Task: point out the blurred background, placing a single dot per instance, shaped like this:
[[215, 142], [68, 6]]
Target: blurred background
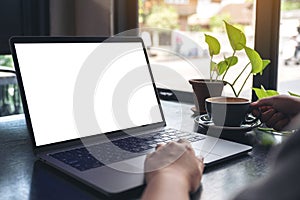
[[172, 29]]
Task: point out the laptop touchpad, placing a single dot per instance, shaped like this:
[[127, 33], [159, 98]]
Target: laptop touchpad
[[137, 163], [126, 167]]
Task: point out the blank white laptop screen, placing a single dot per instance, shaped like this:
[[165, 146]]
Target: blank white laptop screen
[[49, 72]]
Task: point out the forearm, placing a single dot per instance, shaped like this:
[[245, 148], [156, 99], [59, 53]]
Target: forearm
[[167, 186]]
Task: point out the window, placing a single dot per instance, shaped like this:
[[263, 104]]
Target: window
[[174, 35], [177, 1], [289, 47], [10, 101]]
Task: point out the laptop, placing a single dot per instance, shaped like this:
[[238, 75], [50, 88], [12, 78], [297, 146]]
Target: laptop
[[93, 112]]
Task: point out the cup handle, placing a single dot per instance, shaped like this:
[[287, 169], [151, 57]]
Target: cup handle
[[252, 120], [205, 118]]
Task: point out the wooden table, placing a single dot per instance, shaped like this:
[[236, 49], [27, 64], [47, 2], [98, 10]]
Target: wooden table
[[23, 177]]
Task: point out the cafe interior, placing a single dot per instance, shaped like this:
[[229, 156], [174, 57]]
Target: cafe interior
[[174, 33]]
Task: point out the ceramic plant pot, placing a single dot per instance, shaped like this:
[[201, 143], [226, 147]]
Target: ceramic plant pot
[[204, 88]]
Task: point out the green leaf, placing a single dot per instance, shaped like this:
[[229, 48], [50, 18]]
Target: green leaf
[[259, 93], [271, 130], [232, 60], [255, 60], [263, 93], [265, 64], [271, 93], [265, 129], [267, 139], [222, 66], [236, 37], [293, 94], [213, 45]]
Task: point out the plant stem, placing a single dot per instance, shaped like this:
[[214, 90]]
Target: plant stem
[[210, 69], [243, 84], [212, 74], [231, 88], [216, 76], [240, 74], [228, 66]]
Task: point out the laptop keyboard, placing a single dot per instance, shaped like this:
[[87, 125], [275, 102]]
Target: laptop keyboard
[[82, 158]]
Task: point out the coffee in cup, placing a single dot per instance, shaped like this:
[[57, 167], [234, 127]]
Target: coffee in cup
[[229, 111]]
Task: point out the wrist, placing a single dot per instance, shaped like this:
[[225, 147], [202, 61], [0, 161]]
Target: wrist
[[165, 185], [177, 180]]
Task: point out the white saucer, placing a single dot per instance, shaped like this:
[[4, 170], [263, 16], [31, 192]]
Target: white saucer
[[204, 120]]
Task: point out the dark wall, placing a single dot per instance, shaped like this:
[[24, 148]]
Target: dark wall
[[81, 17], [125, 16], [22, 17], [65, 18]]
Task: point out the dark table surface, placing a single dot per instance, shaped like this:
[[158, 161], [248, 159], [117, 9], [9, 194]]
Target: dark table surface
[[23, 177]]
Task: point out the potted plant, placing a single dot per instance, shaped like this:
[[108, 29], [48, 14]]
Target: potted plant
[[219, 70]]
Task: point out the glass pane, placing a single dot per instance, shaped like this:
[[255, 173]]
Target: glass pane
[[289, 47], [10, 101], [174, 32]]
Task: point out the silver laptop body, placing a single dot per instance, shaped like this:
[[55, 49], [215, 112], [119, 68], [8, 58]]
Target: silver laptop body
[[75, 93]]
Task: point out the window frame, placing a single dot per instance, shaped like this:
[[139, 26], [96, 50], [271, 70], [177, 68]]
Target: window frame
[[266, 41], [125, 15]]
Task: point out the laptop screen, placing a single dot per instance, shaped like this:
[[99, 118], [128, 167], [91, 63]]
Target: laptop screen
[[123, 97]]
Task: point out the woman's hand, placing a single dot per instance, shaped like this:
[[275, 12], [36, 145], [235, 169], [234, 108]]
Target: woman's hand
[[277, 111], [172, 171]]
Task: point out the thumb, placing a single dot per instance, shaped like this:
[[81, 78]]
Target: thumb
[[263, 102]]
